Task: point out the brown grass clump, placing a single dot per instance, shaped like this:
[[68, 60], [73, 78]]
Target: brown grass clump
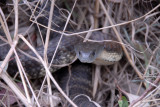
[[135, 23]]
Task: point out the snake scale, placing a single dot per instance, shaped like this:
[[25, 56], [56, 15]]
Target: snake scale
[[101, 53], [79, 90]]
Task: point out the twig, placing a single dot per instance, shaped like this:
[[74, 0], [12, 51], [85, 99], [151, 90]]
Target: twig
[[96, 13], [15, 39], [152, 87], [89, 33], [13, 45], [47, 70], [55, 54], [22, 72], [120, 40], [15, 88], [46, 47], [96, 78], [115, 25]]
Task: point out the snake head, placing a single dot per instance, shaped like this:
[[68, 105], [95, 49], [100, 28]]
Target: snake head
[[87, 52]]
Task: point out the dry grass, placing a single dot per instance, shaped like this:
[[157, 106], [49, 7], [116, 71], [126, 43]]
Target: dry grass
[[135, 23]]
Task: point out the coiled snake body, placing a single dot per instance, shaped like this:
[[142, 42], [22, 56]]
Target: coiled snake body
[[78, 84], [101, 53]]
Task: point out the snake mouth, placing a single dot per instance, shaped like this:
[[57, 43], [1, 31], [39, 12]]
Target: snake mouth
[[86, 60], [85, 57]]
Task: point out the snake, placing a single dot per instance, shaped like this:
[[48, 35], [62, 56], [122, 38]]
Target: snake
[[70, 47], [79, 90], [105, 53]]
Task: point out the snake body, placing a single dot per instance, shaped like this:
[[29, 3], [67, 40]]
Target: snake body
[[78, 84], [70, 47], [34, 68], [89, 52]]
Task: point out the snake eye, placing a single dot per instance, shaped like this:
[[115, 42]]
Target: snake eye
[[93, 53], [79, 53]]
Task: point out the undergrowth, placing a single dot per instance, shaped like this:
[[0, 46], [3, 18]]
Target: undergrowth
[[135, 23]]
